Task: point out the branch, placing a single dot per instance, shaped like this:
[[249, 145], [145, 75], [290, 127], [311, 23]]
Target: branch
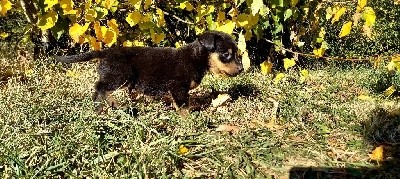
[[315, 56], [177, 18]]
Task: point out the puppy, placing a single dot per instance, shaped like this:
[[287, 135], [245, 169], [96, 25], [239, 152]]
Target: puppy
[[156, 71]]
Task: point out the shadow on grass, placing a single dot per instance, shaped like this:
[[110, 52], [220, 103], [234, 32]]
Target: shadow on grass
[[382, 128], [203, 101]]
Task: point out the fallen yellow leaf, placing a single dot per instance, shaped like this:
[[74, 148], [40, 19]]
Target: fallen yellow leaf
[[278, 78], [266, 67], [390, 90], [377, 154], [288, 63], [183, 150]]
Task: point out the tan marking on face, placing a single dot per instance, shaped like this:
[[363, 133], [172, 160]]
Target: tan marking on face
[[193, 85], [219, 68], [230, 51]]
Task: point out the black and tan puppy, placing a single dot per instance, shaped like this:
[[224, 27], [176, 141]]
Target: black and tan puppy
[[160, 70]]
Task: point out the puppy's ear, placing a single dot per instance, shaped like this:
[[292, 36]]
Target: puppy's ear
[[207, 40]]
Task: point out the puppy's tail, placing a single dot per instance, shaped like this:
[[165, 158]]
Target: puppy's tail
[[80, 57]]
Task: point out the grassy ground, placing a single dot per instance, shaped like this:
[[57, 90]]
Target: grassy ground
[[48, 127]]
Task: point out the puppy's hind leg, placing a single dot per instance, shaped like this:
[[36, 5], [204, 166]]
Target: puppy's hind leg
[[180, 96]]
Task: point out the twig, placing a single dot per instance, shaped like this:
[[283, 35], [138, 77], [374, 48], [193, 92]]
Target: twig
[[177, 18], [315, 56]]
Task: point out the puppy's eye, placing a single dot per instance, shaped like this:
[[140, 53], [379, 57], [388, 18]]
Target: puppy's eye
[[226, 55]]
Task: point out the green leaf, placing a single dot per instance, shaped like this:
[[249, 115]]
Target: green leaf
[[60, 28], [288, 14], [101, 12], [210, 22]]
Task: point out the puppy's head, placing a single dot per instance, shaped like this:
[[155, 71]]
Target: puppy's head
[[222, 48]]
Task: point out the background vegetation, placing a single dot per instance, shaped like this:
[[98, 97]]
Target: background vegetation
[[320, 91]]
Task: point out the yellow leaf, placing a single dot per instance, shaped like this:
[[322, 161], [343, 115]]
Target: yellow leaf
[[390, 90], [100, 31], [369, 16], [136, 3], [186, 5], [183, 150], [242, 20], [377, 154], [227, 27], [67, 6], [88, 5], [255, 6], [364, 98], [346, 28], [221, 16], [50, 4], [48, 20], [278, 78], [110, 38], [3, 35], [160, 20], [338, 14], [227, 128], [146, 17], [319, 52], [94, 44], [288, 63], [77, 30], [248, 35], [198, 30], [266, 67], [178, 44], [253, 20], [329, 13], [114, 26], [133, 18], [145, 25], [393, 66], [91, 15], [158, 38], [147, 4], [71, 74], [246, 61], [205, 10], [220, 100], [5, 6], [127, 43], [137, 43], [361, 4], [304, 75], [108, 3], [293, 3]]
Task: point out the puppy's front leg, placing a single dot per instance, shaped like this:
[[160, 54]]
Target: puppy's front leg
[[180, 96]]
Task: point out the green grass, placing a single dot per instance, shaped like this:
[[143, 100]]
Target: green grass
[[48, 127]]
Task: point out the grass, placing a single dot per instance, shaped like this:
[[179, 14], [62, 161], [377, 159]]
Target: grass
[[48, 127]]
